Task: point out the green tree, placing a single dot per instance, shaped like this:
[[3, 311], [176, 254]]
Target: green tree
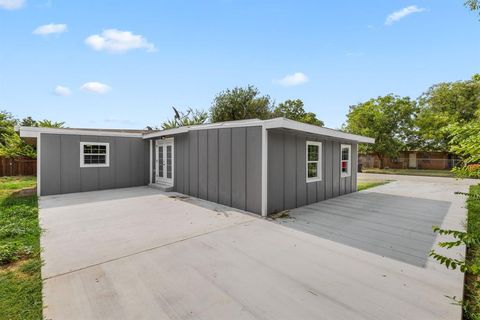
[[465, 141], [444, 104], [7, 122], [293, 109], [388, 119], [240, 103], [473, 5], [188, 118], [28, 122], [11, 145], [50, 124]]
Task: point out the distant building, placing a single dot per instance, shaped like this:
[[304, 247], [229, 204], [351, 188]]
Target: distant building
[[412, 160]]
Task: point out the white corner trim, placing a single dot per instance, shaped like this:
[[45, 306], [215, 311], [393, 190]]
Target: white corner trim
[[39, 164], [349, 167], [151, 162], [319, 162], [34, 131], [264, 209], [94, 165]]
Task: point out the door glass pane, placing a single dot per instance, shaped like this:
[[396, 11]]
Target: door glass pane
[[169, 162], [160, 161]]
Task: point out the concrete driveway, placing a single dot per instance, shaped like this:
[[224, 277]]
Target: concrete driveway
[[139, 254]]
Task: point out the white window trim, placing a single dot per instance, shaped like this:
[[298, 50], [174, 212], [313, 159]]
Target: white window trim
[[94, 165], [349, 163], [319, 162]]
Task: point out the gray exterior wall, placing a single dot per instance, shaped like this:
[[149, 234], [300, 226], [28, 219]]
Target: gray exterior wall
[[221, 165], [60, 164], [287, 186]]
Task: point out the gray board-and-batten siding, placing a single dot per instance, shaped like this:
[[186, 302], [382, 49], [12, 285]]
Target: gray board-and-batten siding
[[61, 171], [225, 166], [287, 185], [221, 165]]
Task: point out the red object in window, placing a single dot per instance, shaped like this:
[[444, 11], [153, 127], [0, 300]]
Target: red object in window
[[344, 164]]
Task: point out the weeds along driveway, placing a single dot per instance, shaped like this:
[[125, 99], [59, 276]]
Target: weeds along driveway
[[138, 254]]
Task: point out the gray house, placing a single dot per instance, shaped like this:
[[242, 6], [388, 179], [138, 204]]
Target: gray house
[[261, 166]]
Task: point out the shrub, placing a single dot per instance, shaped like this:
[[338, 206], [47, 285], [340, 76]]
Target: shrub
[[468, 171]]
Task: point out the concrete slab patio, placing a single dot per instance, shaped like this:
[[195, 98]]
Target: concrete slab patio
[[139, 254]]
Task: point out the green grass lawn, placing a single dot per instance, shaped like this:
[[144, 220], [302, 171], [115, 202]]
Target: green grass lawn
[[471, 302], [20, 279], [412, 172], [363, 185]]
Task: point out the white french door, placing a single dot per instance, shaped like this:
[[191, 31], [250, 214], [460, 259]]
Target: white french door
[[164, 159]]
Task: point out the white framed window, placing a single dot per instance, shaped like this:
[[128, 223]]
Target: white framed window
[[346, 160], [94, 154], [314, 161]]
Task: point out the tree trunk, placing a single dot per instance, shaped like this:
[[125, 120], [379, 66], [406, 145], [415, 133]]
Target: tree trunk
[[382, 161]]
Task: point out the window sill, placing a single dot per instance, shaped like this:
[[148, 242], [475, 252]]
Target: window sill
[[314, 180], [94, 166]]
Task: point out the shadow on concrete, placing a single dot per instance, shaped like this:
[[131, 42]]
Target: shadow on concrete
[[396, 227], [57, 201], [70, 199]]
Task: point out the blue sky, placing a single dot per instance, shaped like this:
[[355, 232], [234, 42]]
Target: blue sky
[[123, 64]]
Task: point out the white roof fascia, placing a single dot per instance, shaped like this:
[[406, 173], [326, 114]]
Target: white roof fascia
[[305, 127], [226, 124], [35, 131], [26, 133], [268, 124]]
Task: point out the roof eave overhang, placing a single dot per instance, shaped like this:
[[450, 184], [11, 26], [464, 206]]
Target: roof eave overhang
[[313, 129], [34, 132], [275, 123]]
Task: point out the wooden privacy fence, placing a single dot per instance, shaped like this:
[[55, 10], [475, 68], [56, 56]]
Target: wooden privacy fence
[[17, 167]]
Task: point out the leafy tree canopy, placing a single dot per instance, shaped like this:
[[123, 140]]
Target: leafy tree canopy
[[11, 145], [293, 109], [465, 140], [444, 104], [7, 122], [388, 119], [188, 118], [473, 5], [239, 104], [30, 122]]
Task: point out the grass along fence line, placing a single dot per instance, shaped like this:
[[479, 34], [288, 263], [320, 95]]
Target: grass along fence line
[[20, 263], [363, 185], [412, 172]]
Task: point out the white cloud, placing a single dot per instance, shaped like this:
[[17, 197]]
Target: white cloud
[[400, 14], [117, 41], [62, 91], [295, 79], [50, 28], [95, 87], [11, 4]]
